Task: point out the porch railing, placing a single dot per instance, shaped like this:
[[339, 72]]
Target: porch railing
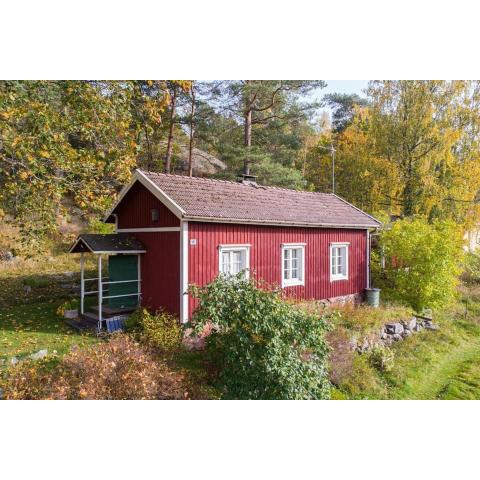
[[100, 282]]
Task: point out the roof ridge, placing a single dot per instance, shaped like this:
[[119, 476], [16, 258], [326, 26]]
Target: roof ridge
[[233, 182]]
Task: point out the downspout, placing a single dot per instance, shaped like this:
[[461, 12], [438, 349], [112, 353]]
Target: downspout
[[368, 258]]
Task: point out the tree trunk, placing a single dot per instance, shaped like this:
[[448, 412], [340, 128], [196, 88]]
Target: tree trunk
[[149, 147], [192, 134], [408, 192], [168, 155], [248, 133]]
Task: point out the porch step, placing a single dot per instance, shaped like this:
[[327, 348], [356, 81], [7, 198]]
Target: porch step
[[112, 311], [80, 324]]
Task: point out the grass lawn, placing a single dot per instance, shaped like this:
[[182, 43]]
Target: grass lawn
[[444, 364], [26, 329], [438, 365]]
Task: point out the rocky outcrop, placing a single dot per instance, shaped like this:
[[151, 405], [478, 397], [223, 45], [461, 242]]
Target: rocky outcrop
[[394, 332]]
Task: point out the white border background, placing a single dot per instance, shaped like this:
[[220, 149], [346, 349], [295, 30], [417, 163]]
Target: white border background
[[218, 39]]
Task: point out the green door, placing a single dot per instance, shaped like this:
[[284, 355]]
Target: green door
[[120, 269]]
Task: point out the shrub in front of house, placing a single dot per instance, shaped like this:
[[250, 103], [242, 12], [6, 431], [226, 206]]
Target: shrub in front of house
[[422, 262], [265, 348], [118, 369], [160, 330]]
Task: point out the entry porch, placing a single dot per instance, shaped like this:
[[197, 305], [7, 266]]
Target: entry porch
[[107, 298]]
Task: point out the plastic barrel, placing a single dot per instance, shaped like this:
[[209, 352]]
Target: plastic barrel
[[372, 296]]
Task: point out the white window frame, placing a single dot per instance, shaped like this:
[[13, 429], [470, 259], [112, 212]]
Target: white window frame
[[292, 282], [335, 277], [245, 248]]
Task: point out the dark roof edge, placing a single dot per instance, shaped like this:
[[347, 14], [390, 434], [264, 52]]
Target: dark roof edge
[[359, 210], [192, 218], [81, 240]]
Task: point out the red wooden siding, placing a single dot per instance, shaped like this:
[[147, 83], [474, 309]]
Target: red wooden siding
[[135, 209], [265, 256], [160, 270]]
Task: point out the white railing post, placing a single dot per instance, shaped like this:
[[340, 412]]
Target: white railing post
[[82, 283], [139, 278], [100, 292]]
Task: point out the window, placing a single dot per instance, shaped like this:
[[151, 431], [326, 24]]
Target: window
[[155, 215], [339, 261], [293, 264], [234, 259]]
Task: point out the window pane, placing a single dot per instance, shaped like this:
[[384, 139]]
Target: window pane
[[292, 263], [233, 261], [287, 264], [343, 252], [338, 261], [225, 262]]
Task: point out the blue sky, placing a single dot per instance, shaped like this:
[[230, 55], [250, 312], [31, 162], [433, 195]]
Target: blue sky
[[340, 86], [345, 86]]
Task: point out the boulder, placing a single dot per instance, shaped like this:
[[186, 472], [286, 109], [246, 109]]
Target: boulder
[[388, 341], [431, 326], [410, 324], [39, 355], [406, 333], [427, 313], [397, 336], [14, 361], [394, 328], [364, 346], [7, 256]]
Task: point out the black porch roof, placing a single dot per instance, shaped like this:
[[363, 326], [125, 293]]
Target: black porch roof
[[109, 243]]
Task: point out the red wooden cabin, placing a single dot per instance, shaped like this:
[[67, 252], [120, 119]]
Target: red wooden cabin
[[314, 245]]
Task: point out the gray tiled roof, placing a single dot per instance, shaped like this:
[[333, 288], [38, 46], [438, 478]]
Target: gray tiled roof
[[202, 198], [112, 243]]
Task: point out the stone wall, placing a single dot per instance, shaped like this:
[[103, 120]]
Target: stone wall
[[354, 298], [394, 332]]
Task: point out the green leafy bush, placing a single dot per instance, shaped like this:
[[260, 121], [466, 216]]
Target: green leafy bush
[[422, 262], [160, 330], [72, 304], [96, 225], [265, 348], [382, 358], [471, 268]]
